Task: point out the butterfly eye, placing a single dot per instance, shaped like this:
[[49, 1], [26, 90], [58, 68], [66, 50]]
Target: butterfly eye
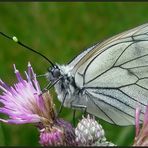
[[56, 73]]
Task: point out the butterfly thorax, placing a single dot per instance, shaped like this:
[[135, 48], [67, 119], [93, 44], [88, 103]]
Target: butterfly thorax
[[65, 86]]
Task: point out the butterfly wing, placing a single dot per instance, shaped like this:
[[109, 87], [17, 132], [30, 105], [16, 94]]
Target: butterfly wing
[[114, 76]]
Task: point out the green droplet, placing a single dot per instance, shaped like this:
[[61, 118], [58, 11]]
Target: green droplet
[[15, 39]]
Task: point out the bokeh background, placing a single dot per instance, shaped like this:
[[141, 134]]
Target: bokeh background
[[60, 31]]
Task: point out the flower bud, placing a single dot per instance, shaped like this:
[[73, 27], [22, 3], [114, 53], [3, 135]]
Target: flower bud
[[88, 131]]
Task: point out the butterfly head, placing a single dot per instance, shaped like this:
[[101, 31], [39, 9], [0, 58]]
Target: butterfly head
[[53, 73], [63, 82]]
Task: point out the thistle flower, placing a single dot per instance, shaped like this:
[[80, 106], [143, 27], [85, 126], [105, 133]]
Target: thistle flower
[[24, 103], [141, 138], [90, 133]]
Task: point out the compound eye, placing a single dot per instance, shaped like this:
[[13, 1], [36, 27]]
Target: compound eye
[[56, 73]]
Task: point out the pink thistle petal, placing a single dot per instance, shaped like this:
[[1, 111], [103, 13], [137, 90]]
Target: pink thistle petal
[[145, 123], [18, 76], [141, 138], [29, 70], [137, 117]]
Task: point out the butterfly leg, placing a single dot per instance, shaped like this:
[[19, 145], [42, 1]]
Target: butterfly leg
[[74, 117], [41, 75], [62, 104], [38, 76], [46, 87], [82, 107]]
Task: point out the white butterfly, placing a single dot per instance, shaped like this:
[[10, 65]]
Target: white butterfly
[[110, 79]]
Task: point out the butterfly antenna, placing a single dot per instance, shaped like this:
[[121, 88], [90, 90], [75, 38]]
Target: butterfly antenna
[[20, 43]]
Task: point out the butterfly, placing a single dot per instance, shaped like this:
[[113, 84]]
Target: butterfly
[[109, 79]]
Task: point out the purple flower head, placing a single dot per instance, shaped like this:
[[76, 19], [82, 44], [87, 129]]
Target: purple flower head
[[23, 102], [61, 133], [54, 137]]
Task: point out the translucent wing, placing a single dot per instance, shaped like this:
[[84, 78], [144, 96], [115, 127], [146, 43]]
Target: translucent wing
[[114, 76]]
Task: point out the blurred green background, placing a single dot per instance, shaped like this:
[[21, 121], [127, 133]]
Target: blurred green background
[[60, 31]]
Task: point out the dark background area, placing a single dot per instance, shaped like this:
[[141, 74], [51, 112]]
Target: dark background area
[[60, 31]]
